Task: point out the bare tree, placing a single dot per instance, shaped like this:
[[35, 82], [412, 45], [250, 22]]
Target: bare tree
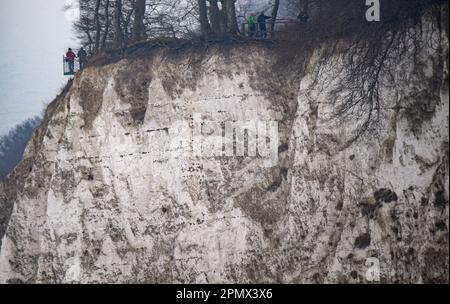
[[12, 145], [107, 24], [97, 25], [85, 26], [223, 20], [118, 32]]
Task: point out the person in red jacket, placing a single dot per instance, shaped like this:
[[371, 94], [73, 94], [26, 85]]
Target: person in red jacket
[[70, 58]]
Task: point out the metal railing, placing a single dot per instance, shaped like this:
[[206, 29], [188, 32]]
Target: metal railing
[[70, 68], [282, 30]]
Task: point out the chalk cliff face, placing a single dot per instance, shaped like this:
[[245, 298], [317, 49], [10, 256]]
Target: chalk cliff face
[[111, 189]]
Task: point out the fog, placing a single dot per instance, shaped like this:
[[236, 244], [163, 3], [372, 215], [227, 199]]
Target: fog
[[33, 38]]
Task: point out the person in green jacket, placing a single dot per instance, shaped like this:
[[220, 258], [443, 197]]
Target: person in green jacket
[[251, 21]]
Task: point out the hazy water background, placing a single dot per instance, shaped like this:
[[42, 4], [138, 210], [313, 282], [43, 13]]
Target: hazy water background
[[34, 35]]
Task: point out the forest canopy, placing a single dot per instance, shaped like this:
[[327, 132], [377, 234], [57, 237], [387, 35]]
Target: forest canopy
[[12, 145], [112, 24]]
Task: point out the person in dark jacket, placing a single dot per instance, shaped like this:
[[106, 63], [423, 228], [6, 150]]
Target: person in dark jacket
[[82, 57], [262, 23], [70, 59], [303, 17]]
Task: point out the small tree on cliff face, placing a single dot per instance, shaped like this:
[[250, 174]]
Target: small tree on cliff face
[[12, 145]]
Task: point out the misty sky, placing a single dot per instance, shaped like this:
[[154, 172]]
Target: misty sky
[[34, 35]]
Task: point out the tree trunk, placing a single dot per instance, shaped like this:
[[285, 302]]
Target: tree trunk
[[138, 24], [106, 32], [97, 26], [223, 18], [274, 16], [125, 26], [118, 33], [214, 16], [232, 24], [203, 18], [90, 43]]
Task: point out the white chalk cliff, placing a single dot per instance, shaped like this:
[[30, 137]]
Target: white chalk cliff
[[106, 194]]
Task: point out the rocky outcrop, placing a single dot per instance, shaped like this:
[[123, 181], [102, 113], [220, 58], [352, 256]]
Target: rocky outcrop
[[112, 188]]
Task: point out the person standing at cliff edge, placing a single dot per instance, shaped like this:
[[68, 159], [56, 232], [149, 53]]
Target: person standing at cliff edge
[[82, 56], [70, 58], [262, 23], [251, 21]]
